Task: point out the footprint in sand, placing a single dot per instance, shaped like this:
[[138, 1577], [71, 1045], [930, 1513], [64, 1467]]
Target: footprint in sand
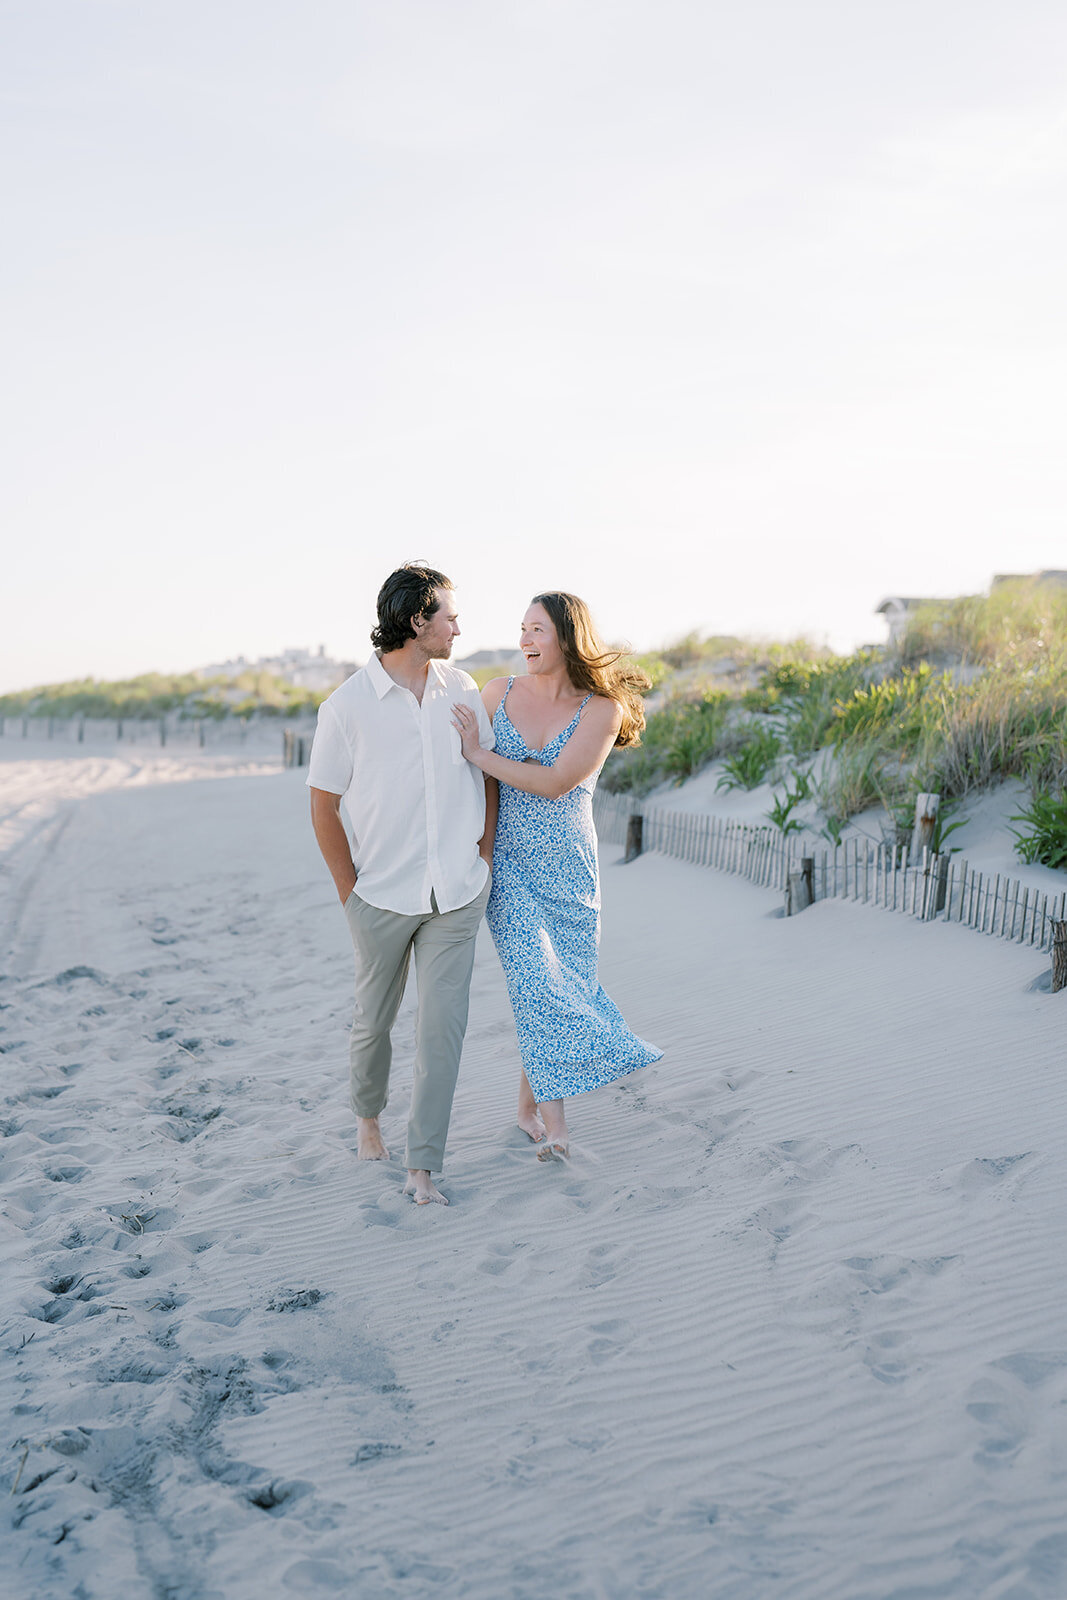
[[498, 1259], [1001, 1419], [600, 1266], [278, 1495], [318, 1577], [999, 1177], [609, 1338], [884, 1351]]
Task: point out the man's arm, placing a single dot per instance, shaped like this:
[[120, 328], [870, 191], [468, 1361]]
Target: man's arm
[[492, 807], [333, 840]]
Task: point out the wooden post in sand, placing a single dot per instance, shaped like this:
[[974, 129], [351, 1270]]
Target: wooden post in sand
[[295, 749], [1059, 956], [807, 870], [635, 836], [797, 892], [162, 730], [922, 834]]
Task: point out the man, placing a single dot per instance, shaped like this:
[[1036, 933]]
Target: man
[[418, 877]]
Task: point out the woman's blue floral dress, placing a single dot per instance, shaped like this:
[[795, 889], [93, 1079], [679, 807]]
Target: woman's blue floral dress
[[544, 915]]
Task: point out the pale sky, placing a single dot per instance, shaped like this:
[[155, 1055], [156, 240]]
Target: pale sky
[[736, 317]]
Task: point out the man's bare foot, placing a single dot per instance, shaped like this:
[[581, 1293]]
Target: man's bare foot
[[423, 1190], [369, 1144]]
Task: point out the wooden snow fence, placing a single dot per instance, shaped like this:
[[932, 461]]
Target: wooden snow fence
[[927, 887]]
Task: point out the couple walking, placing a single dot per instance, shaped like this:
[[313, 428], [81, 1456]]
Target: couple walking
[[463, 805]]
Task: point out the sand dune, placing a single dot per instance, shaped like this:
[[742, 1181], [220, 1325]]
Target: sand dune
[[790, 1324]]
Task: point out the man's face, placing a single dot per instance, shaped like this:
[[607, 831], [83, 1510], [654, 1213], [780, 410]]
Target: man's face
[[436, 633]]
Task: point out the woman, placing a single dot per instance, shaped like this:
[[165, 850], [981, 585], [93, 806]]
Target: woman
[[554, 729]]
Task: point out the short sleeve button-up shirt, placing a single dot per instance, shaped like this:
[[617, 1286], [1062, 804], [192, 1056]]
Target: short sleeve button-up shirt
[[415, 805]]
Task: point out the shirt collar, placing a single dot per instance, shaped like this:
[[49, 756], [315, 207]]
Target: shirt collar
[[383, 682]]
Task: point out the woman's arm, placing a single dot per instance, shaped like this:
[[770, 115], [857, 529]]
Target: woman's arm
[[584, 753]]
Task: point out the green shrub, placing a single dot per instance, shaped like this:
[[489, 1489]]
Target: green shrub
[[678, 740], [810, 691], [784, 804], [1045, 840], [761, 699], [859, 777], [893, 707], [747, 767]]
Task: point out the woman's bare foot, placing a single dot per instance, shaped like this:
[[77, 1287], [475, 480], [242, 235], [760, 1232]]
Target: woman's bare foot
[[369, 1143], [423, 1190], [528, 1116], [556, 1146]]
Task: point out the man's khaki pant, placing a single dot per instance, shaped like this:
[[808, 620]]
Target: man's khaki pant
[[443, 943]]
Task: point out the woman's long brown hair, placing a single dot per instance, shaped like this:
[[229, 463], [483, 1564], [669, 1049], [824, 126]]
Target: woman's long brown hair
[[594, 668]]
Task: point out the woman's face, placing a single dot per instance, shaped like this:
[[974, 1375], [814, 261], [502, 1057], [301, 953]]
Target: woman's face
[[539, 642]]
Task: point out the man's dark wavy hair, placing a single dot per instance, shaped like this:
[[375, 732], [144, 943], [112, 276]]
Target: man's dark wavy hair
[[408, 592]]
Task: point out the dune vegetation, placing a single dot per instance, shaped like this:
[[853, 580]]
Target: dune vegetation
[[155, 694], [973, 694]]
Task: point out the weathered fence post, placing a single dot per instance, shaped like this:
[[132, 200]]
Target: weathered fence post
[[807, 870], [941, 896], [200, 731], [922, 834], [162, 730], [1059, 956], [635, 836], [797, 893], [295, 749], [81, 730]]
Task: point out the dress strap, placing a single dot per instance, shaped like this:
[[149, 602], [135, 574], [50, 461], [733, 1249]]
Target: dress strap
[[573, 723], [504, 696]]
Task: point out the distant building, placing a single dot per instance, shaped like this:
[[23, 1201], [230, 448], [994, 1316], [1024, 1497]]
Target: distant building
[[301, 668], [506, 660], [899, 609]]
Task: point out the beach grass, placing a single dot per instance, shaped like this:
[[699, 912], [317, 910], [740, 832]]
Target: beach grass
[[156, 694], [974, 694]]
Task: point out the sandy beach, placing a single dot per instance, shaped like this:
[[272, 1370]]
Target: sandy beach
[[790, 1325]]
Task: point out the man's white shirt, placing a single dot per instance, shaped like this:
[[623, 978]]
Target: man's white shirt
[[415, 805]]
